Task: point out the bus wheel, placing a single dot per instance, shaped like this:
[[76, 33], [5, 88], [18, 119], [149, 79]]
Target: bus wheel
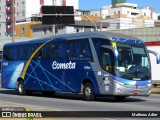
[[120, 98], [20, 89], [88, 92]]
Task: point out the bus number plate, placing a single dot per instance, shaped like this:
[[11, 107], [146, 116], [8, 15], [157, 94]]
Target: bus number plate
[[136, 91]]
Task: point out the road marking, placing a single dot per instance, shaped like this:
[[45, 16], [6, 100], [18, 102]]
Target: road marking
[[27, 106], [109, 119]]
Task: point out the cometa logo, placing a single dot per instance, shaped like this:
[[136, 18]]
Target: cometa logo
[[69, 65]]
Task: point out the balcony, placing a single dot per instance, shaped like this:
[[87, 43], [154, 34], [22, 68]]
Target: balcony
[[9, 28], [8, 2], [119, 16], [10, 19], [9, 10]]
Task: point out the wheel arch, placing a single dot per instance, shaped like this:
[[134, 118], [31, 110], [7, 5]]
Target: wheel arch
[[94, 85], [18, 80]]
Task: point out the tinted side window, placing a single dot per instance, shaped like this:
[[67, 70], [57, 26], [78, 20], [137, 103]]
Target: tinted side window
[[98, 42], [87, 50], [83, 50], [71, 49], [7, 53], [54, 49], [63, 49], [17, 53], [79, 53], [26, 52], [33, 49]]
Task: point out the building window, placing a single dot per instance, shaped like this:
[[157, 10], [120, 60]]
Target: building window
[[119, 12], [134, 13], [17, 13], [118, 25], [22, 30], [144, 14], [17, 4], [114, 13], [23, 3], [23, 13]]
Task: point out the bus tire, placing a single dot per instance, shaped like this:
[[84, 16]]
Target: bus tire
[[120, 98], [88, 92], [20, 88]]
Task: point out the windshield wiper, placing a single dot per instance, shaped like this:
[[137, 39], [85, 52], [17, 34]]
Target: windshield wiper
[[136, 74]]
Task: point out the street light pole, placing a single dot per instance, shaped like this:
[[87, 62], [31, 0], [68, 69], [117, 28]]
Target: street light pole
[[100, 19], [54, 26], [13, 21]]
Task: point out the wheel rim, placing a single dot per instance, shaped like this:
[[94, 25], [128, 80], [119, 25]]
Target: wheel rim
[[88, 91], [20, 88]]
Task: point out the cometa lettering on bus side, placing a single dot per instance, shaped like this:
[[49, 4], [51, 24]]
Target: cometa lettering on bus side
[[69, 65]]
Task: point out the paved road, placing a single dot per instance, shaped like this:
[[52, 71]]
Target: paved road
[[72, 102]]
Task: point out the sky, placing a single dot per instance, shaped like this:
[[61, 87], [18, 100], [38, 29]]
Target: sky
[[96, 4]]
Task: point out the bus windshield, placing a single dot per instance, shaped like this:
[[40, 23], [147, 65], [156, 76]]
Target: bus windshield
[[133, 62]]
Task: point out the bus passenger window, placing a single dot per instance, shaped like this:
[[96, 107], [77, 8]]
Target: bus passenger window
[[26, 52], [63, 49], [87, 51], [39, 54], [79, 49], [54, 49], [71, 49], [7, 53]]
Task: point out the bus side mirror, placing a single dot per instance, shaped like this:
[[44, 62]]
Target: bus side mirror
[[156, 54]]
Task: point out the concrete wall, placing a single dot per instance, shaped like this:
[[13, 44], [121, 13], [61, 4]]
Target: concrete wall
[[41, 32], [145, 34]]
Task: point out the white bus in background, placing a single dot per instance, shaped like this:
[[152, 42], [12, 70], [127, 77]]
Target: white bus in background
[[155, 68]]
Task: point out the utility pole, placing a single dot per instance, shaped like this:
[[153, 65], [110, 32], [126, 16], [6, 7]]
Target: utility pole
[[100, 19], [54, 26], [13, 21]]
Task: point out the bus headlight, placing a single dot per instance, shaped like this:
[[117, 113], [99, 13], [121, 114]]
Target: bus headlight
[[149, 85], [120, 83]]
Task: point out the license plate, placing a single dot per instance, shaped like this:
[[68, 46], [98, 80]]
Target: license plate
[[136, 91]]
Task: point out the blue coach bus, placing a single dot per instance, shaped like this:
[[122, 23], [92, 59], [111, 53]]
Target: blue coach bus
[[92, 63]]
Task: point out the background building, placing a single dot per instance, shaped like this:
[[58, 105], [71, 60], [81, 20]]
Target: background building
[[126, 16], [34, 29], [2, 18], [15, 10], [114, 2]]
